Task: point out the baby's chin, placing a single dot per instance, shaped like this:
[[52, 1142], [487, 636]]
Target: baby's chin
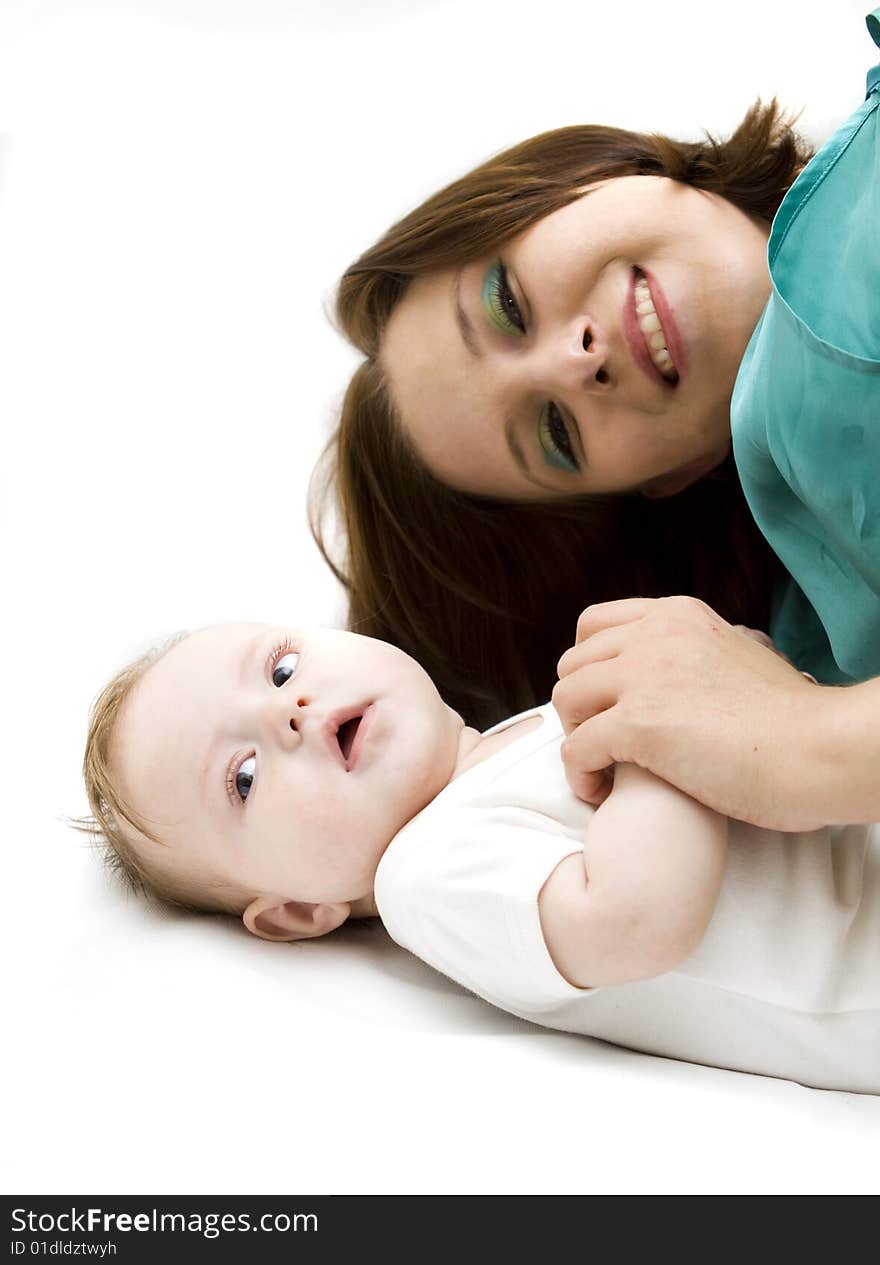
[[454, 721], [437, 763]]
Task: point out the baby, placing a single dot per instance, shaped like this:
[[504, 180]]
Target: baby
[[297, 778]]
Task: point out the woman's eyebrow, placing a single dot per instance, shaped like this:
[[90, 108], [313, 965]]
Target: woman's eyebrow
[[516, 450], [465, 327]]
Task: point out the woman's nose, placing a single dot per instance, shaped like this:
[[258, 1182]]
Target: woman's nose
[[574, 359]]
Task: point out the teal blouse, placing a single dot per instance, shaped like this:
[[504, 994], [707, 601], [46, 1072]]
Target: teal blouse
[[805, 414]]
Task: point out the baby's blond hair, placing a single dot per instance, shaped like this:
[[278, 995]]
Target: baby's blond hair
[[114, 825]]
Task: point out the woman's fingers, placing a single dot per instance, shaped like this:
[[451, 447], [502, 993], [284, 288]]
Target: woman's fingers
[[606, 644], [592, 788], [588, 762], [629, 609], [608, 614], [583, 693]]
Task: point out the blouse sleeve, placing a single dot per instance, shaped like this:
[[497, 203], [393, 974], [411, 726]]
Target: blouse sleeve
[[460, 890]]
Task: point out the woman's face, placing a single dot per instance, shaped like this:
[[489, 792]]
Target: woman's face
[[595, 352]]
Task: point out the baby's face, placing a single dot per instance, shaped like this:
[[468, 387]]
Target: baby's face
[[283, 761]]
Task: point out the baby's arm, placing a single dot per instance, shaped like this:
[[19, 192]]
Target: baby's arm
[[639, 899]]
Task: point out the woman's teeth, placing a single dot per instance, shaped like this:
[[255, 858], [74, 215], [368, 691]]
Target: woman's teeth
[[652, 331]]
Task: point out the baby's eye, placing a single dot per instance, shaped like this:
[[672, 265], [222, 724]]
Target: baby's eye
[[284, 669], [244, 778]]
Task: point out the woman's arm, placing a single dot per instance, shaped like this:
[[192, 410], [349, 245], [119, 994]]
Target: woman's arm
[[668, 685], [640, 898]]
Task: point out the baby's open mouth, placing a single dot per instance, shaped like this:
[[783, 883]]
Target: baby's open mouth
[[345, 735]]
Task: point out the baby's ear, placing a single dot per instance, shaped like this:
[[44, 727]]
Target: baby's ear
[[272, 918]]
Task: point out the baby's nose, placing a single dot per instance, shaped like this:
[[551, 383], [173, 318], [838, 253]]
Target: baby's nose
[[296, 710]]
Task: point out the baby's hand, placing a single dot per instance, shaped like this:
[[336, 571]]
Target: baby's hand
[[764, 640], [757, 635]]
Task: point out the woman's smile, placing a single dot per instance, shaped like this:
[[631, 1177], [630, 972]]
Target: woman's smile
[[647, 334]]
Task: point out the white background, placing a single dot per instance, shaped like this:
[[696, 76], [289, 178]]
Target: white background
[[181, 182]]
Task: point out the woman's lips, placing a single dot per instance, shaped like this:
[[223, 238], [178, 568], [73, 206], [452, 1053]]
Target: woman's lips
[[667, 319], [636, 337]]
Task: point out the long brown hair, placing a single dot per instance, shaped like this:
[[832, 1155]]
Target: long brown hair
[[485, 592]]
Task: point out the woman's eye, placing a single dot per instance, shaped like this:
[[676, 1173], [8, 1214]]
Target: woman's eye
[[499, 303], [284, 669], [553, 438], [244, 778]]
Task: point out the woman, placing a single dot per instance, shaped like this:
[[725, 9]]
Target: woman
[[485, 589], [543, 418]]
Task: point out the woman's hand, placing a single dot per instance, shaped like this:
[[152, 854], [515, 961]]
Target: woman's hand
[[667, 684]]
